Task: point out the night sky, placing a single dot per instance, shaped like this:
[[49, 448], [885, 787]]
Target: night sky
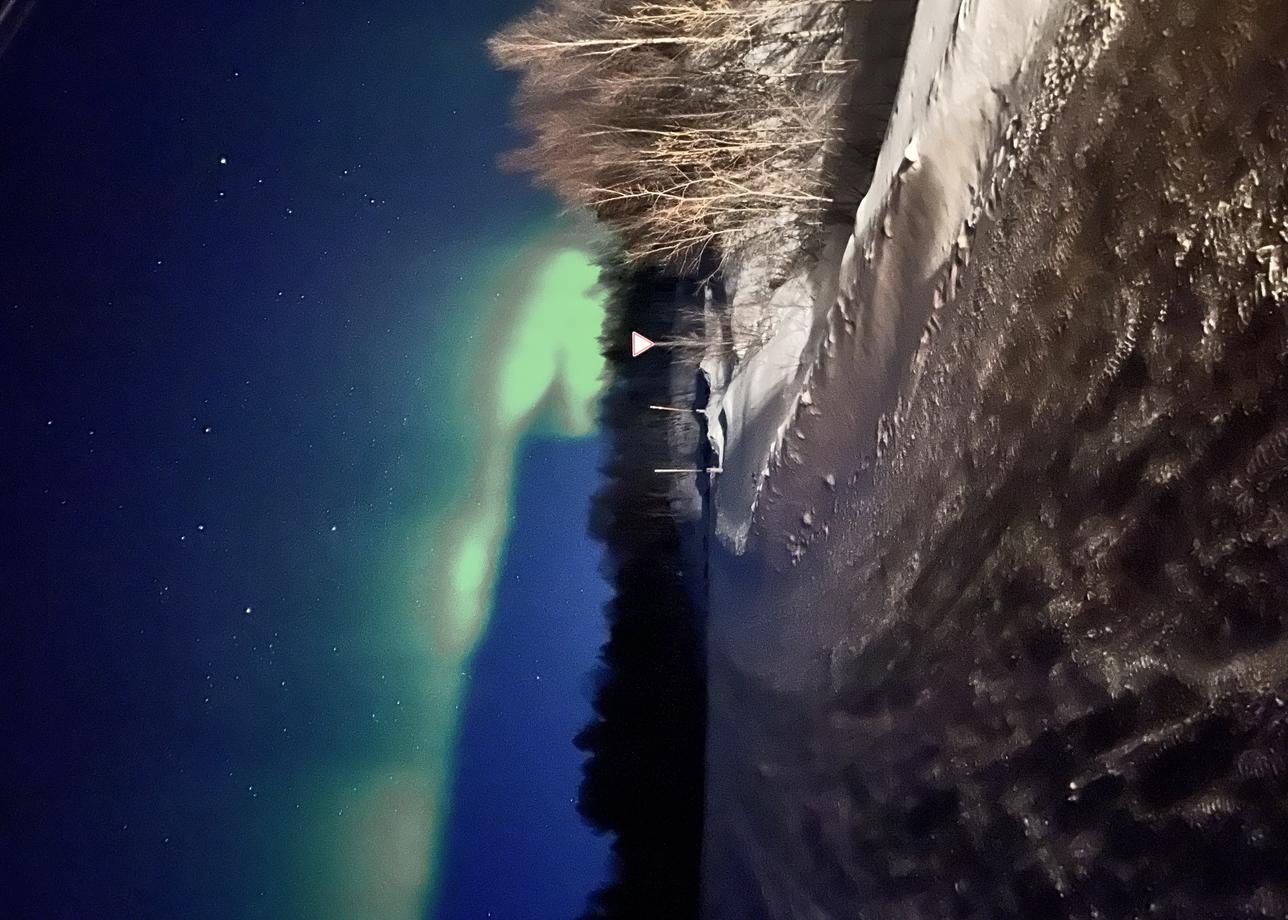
[[297, 387]]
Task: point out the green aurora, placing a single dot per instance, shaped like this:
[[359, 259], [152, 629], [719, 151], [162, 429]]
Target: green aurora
[[534, 367], [552, 355]]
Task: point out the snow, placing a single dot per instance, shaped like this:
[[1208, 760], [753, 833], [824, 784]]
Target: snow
[[854, 436], [797, 420], [752, 401], [950, 110]]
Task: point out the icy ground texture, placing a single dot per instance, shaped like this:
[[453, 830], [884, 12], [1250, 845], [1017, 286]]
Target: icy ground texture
[[1008, 638], [775, 328]]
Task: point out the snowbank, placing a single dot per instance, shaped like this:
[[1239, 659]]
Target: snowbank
[[946, 131], [1053, 360]]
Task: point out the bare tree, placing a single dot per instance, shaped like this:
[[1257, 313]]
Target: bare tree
[[690, 126]]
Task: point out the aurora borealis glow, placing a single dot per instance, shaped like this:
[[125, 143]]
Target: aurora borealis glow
[[530, 363], [287, 357], [548, 359]]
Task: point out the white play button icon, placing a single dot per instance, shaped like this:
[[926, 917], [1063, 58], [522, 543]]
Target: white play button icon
[[640, 344]]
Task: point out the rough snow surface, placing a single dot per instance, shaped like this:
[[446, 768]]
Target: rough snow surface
[[1001, 630], [949, 110], [753, 400]]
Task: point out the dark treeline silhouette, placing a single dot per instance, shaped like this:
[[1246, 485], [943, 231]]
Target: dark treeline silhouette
[[643, 780]]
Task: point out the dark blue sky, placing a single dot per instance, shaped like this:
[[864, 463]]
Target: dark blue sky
[[244, 244], [513, 854]]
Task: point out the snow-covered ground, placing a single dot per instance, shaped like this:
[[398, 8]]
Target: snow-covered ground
[[963, 62], [1056, 177]]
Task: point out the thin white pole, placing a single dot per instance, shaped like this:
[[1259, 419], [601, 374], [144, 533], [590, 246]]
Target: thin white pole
[[673, 409]]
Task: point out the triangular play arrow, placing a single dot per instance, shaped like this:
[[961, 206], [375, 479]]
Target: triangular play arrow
[[640, 344]]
